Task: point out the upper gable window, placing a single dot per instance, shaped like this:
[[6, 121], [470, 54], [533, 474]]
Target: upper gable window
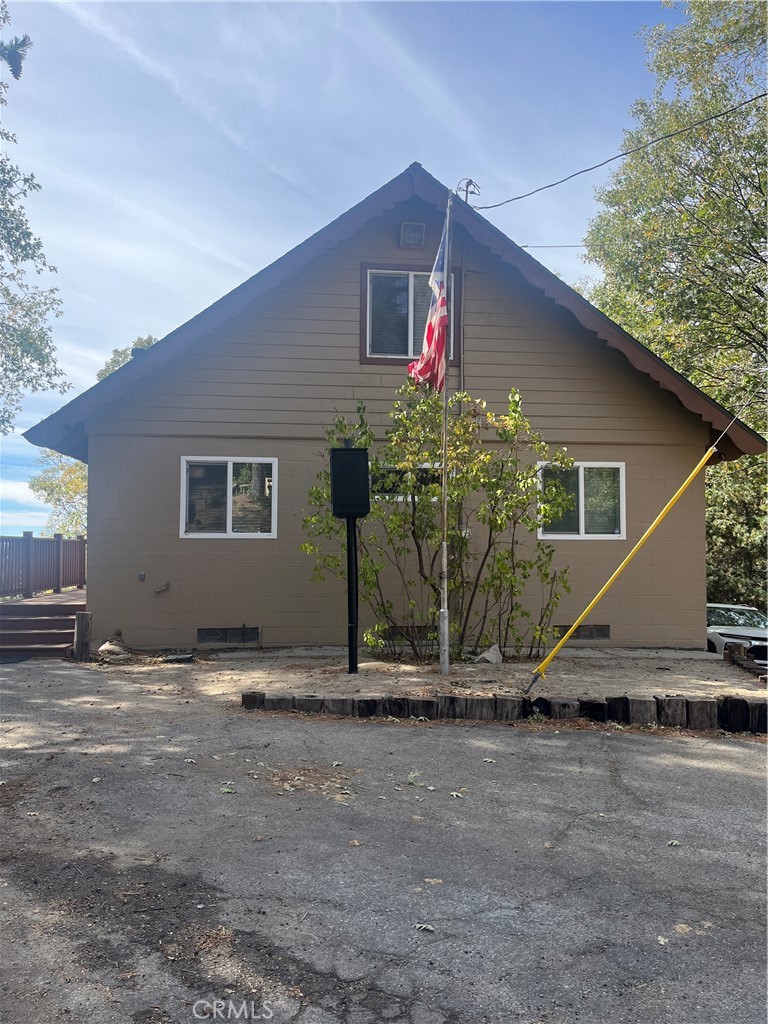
[[396, 304], [223, 497]]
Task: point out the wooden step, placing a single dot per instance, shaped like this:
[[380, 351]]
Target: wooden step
[[35, 609], [36, 638], [40, 650], [21, 623]]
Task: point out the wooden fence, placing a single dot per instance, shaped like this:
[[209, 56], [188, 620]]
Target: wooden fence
[[30, 565]]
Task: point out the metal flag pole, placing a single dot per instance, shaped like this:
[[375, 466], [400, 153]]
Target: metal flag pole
[[445, 665]]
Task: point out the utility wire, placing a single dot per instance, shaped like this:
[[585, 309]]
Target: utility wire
[[629, 152]]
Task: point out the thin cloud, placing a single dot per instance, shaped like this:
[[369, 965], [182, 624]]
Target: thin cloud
[[18, 493], [168, 76], [19, 520], [16, 449], [142, 214], [430, 92]]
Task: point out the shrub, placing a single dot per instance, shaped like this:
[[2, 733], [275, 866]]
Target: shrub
[[495, 506]]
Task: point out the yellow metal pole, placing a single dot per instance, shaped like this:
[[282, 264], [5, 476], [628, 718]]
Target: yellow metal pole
[[538, 673]]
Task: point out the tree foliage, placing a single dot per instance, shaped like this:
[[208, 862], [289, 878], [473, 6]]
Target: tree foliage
[[736, 532], [62, 482], [681, 243], [120, 356], [681, 238], [27, 357], [495, 506]]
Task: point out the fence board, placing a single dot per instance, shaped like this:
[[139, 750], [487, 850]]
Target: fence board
[[30, 565]]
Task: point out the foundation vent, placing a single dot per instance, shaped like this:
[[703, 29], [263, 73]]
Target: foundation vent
[[229, 636], [584, 632]]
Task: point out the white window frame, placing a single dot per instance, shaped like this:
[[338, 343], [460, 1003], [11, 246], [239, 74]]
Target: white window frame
[[582, 535], [229, 460], [414, 344]]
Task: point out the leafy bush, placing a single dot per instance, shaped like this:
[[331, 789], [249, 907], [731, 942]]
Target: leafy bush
[[495, 506]]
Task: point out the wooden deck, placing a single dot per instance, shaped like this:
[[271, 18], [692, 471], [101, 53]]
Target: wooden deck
[[74, 596]]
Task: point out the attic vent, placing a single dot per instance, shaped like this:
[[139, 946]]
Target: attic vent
[[584, 632], [221, 636], [412, 235]]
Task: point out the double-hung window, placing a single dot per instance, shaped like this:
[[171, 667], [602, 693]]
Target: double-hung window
[[597, 509], [223, 497], [396, 304]]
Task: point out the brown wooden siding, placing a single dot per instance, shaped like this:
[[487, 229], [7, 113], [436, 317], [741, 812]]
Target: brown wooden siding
[[268, 383]]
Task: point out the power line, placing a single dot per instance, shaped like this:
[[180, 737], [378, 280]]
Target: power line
[[629, 152], [577, 246]]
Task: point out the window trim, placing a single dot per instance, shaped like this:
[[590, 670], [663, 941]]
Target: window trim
[[542, 533], [229, 534], [406, 268]]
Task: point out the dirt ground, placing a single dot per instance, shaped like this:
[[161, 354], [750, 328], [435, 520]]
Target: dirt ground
[[164, 853], [575, 673]]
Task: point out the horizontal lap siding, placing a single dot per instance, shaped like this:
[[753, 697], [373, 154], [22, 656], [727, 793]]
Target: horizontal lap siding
[[659, 598], [301, 339], [267, 383], [214, 582], [511, 334]]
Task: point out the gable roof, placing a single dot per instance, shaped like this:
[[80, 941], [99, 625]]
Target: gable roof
[[64, 430]]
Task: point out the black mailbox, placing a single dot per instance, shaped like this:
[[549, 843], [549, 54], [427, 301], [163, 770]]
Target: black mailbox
[[350, 487]]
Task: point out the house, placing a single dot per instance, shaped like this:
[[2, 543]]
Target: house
[[201, 449]]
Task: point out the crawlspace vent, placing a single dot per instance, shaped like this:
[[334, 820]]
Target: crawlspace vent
[[585, 632], [229, 635]]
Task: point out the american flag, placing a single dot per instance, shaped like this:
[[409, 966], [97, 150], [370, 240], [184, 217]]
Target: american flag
[[429, 368]]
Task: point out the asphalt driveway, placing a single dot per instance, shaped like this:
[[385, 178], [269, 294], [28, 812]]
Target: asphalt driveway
[[167, 857]]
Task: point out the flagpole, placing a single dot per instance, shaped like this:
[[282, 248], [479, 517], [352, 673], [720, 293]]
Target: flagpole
[[444, 625]]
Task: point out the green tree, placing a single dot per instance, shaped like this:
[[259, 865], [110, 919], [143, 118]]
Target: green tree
[[120, 356], [62, 482], [495, 504], [27, 357], [681, 243], [14, 52], [736, 571]]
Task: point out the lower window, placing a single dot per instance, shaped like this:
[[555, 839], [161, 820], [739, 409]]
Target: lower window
[[222, 497], [597, 509]]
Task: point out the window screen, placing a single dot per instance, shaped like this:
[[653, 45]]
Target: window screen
[[568, 522], [398, 307], [206, 497], [389, 333], [602, 500]]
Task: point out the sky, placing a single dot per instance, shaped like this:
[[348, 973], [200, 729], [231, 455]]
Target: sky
[[182, 147]]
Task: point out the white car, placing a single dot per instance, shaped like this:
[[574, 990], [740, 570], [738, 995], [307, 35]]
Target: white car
[[737, 624]]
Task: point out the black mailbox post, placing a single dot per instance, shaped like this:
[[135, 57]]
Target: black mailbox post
[[350, 500]]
